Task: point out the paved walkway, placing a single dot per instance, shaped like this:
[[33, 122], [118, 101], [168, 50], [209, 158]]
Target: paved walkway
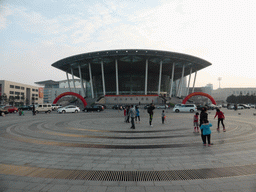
[[99, 152]]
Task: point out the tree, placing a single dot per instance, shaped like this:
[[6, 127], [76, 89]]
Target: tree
[[231, 99], [27, 101], [3, 99], [12, 100]]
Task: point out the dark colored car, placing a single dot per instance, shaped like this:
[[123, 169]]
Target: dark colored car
[[146, 106], [97, 108], [200, 107], [11, 109], [118, 107], [25, 107]]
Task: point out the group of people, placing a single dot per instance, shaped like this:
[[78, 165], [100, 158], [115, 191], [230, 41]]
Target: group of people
[[204, 124], [133, 112]]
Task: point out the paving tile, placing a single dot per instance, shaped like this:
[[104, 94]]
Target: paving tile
[[230, 153], [77, 188], [135, 189], [116, 189], [96, 189], [59, 188], [154, 189]]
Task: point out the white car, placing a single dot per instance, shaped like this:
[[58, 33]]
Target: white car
[[162, 106], [185, 108], [69, 109], [56, 106]]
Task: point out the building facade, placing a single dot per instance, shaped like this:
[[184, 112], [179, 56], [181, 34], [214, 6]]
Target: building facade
[[19, 94], [132, 72], [220, 95], [54, 88]]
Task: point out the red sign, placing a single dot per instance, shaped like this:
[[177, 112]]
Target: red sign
[[41, 92]]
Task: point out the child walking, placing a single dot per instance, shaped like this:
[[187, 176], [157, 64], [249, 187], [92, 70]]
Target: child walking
[[137, 114], [205, 128], [125, 114], [196, 127], [163, 117]]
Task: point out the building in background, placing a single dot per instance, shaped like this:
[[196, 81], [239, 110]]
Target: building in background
[[201, 100], [54, 88], [19, 94], [220, 95]]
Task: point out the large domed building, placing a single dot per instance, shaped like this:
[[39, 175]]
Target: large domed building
[[132, 72]]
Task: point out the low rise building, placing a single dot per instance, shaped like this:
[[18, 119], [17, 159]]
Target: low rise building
[[220, 95], [13, 93], [54, 88]]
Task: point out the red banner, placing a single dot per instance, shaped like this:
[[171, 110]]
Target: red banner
[[41, 92]]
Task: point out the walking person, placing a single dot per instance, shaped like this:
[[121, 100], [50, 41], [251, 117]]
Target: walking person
[[33, 109], [163, 117], [150, 112], [132, 114], [125, 114], [203, 117], [137, 114], [221, 117], [196, 126], [205, 129], [128, 114]]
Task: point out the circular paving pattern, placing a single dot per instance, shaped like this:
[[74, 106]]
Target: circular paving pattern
[[100, 146]]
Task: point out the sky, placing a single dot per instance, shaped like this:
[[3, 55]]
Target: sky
[[35, 34]]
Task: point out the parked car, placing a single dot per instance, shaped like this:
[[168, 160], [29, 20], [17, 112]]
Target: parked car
[[224, 105], [252, 105], [47, 108], [185, 108], [118, 107], [56, 106], [146, 106], [245, 106], [162, 106], [97, 108], [233, 107], [3, 111], [25, 107], [11, 109], [69, 109], [212, 107], [200, 107]]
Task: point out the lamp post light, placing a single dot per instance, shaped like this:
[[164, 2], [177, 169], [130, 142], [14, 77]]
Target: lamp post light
[[219, 79]]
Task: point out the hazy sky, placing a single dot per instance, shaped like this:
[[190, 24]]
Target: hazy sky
[[35, 34]]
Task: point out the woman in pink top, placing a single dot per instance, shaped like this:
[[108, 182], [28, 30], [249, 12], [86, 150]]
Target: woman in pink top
[[221, 117]]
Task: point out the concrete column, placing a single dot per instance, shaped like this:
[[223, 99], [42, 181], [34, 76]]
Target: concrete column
[[194, 82], [173, 66], [189, 80], [160, 76], [146, 78], [182, 79], [103, 78], [82, 81], [90, 73], [117, 85], [72, 72], [178, 90], [68, 82]]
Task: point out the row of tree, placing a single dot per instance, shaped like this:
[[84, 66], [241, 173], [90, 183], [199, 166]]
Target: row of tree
[[242, 99]]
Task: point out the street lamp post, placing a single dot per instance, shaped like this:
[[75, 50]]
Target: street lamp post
[[219, 79]]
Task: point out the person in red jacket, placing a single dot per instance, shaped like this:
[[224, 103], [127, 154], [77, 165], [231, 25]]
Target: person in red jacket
[[196, 123], [221, 117]]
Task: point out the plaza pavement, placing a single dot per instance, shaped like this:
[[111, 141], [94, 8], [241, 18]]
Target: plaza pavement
[[99, 152]]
